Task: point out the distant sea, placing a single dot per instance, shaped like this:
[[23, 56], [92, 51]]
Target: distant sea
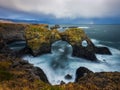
[[106, 34], [57, 67]]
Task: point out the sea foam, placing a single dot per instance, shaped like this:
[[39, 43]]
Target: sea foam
[[60, 63]]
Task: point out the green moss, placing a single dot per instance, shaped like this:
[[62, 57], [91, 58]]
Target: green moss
[[74, 36], [36, 35], [39, 38]]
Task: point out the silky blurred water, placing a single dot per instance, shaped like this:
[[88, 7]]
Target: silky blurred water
[[60, 63], [106, 34]]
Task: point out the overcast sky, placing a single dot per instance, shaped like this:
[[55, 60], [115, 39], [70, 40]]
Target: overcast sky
[[88, 10]]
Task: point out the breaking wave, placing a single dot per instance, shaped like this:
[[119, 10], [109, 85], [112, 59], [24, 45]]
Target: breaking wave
[[60, 63]]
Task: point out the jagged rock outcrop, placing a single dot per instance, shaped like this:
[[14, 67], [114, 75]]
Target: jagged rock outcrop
[[12, 32], [81, 72], [2, 44], [15, 32], [68, 76], [102, 50], [55, 27], [16, 73], [101, 81], [40, 39], [75, 37], [3, 47], [32, 72]]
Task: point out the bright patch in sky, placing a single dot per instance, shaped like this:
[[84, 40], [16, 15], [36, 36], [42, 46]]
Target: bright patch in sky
[[63, 11], [67, 8]]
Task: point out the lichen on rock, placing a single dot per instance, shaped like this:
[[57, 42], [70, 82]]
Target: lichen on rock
[[39, 39]]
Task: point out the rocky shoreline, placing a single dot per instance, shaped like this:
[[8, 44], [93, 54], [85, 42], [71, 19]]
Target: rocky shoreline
[[17, 73]]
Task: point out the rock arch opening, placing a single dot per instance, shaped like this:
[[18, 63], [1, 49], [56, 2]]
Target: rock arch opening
[[61, 51]]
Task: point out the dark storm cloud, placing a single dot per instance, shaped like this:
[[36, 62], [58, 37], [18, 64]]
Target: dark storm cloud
[[66, 8]]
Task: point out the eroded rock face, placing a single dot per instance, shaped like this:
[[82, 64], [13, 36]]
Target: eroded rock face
[[2, 44], [101, 80], [40, 39], [76, 37], [15, 32], [3, 47], [102, 50], [82, 72], [20, 70], [12, 32]]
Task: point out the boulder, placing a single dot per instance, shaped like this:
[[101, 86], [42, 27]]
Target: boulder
[[32, 72], [62, 83], [73, 27], [39, 72], [55, 27], [81, 72], [68, 76]]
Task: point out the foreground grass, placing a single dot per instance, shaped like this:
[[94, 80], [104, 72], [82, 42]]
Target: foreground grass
[[19, 79]]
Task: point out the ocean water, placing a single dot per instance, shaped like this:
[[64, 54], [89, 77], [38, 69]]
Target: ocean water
[[60, 63], [106, 34]]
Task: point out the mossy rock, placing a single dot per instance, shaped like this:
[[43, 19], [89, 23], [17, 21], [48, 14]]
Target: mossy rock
[[40, 39], [74, 36]]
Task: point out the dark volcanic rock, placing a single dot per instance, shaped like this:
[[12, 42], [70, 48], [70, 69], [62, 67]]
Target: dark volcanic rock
[[73, 27], [55, 27], [86, 53], [62, 83], [2, 43], [3, 47], [23, 62], [39, 40], [101, 80], [39, 72], [12, 32], [102, 50], [22, 52], [68, 76], [81, 72], [34, 72]]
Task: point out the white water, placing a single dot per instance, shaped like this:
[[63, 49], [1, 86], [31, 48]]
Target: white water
[[84, 27], [60, 63]]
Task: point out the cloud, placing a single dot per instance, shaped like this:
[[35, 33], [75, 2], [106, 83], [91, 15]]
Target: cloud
[[66, 8]]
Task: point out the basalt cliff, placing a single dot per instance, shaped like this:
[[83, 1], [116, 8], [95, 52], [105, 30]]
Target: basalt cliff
[[18, 74]]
